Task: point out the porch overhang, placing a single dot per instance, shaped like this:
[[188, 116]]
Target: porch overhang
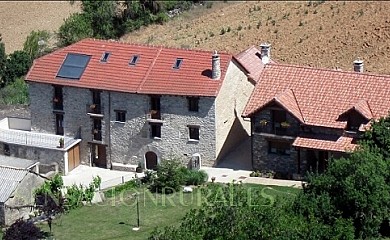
[[326, 143]]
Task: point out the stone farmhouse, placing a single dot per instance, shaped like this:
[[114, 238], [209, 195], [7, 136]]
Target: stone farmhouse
[[301, 116], [132, 105]]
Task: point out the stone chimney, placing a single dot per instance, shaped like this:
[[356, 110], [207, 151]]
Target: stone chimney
[[358, 65], [265, 51], [215, 66]]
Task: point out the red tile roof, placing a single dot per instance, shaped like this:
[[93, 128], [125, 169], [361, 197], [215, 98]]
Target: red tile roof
[[335, 143], [153, 73], [321, 95], [251, 60]]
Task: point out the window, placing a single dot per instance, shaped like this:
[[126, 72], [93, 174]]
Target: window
[[57, 99], [278, 116], [6, 150], [59, 124], [193, 132], [155, 130], [73, 66], [193, 104], [155, 107], [282, 148], [354, 121], [105, 57], [120, 116], [134, 60], [178, 63]]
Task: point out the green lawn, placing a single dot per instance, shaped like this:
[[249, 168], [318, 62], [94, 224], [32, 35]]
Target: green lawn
[[115, 218]]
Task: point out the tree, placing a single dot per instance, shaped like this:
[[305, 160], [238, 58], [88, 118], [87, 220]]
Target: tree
[[3, 60], [36, 43], [101, 15], [75, 28], [351, 188], [240, 212], [23, 230], [17, 65], [378, 137]]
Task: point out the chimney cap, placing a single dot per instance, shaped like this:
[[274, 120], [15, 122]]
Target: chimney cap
[[267, 45], [215, 53], [358, 61]]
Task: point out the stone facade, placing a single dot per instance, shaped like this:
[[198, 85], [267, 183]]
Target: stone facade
[[297, 160], [127, 142], [130, 140], [264, 133], [263, 160]]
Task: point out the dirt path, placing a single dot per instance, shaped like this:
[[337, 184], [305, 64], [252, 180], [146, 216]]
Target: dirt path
[[19, 18]]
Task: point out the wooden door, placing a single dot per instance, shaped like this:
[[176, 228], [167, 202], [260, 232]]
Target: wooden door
[[73, 157]]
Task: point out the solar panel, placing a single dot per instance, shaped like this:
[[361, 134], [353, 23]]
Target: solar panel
[[73, 66]]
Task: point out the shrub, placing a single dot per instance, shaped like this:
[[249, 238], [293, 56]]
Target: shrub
[[3, 59], [33, 47], [23, 230], [14, 93], [149, 177], [17, 65], [75, 28], [194, 177], [169, 178]]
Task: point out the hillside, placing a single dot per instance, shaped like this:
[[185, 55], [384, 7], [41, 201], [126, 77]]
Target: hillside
[[19, 18], [322, 34]]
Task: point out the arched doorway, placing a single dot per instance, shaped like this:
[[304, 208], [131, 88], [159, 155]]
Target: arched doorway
[[151, 160]]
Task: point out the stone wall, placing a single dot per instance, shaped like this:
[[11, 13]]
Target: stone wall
[[77, 123], [22, 196], [263, 160], [2, 214], [231, 128], [41, 106], [130, 140], [43, 155]]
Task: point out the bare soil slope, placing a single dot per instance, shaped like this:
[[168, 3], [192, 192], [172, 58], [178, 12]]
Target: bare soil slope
[[19, 18], [322, 34]]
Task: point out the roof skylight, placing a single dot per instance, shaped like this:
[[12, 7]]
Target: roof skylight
[[73, 66], [134, 60], [178, 63], [105, 57]]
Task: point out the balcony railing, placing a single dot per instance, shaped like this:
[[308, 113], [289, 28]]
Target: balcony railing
[[94, 109], [281, 131]]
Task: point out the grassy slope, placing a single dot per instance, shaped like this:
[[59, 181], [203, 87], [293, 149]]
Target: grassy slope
[[116, 217], [330, 34]]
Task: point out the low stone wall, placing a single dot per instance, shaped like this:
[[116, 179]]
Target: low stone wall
[[48, 158]]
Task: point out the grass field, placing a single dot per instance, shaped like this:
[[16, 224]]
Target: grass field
[[115, 218]]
